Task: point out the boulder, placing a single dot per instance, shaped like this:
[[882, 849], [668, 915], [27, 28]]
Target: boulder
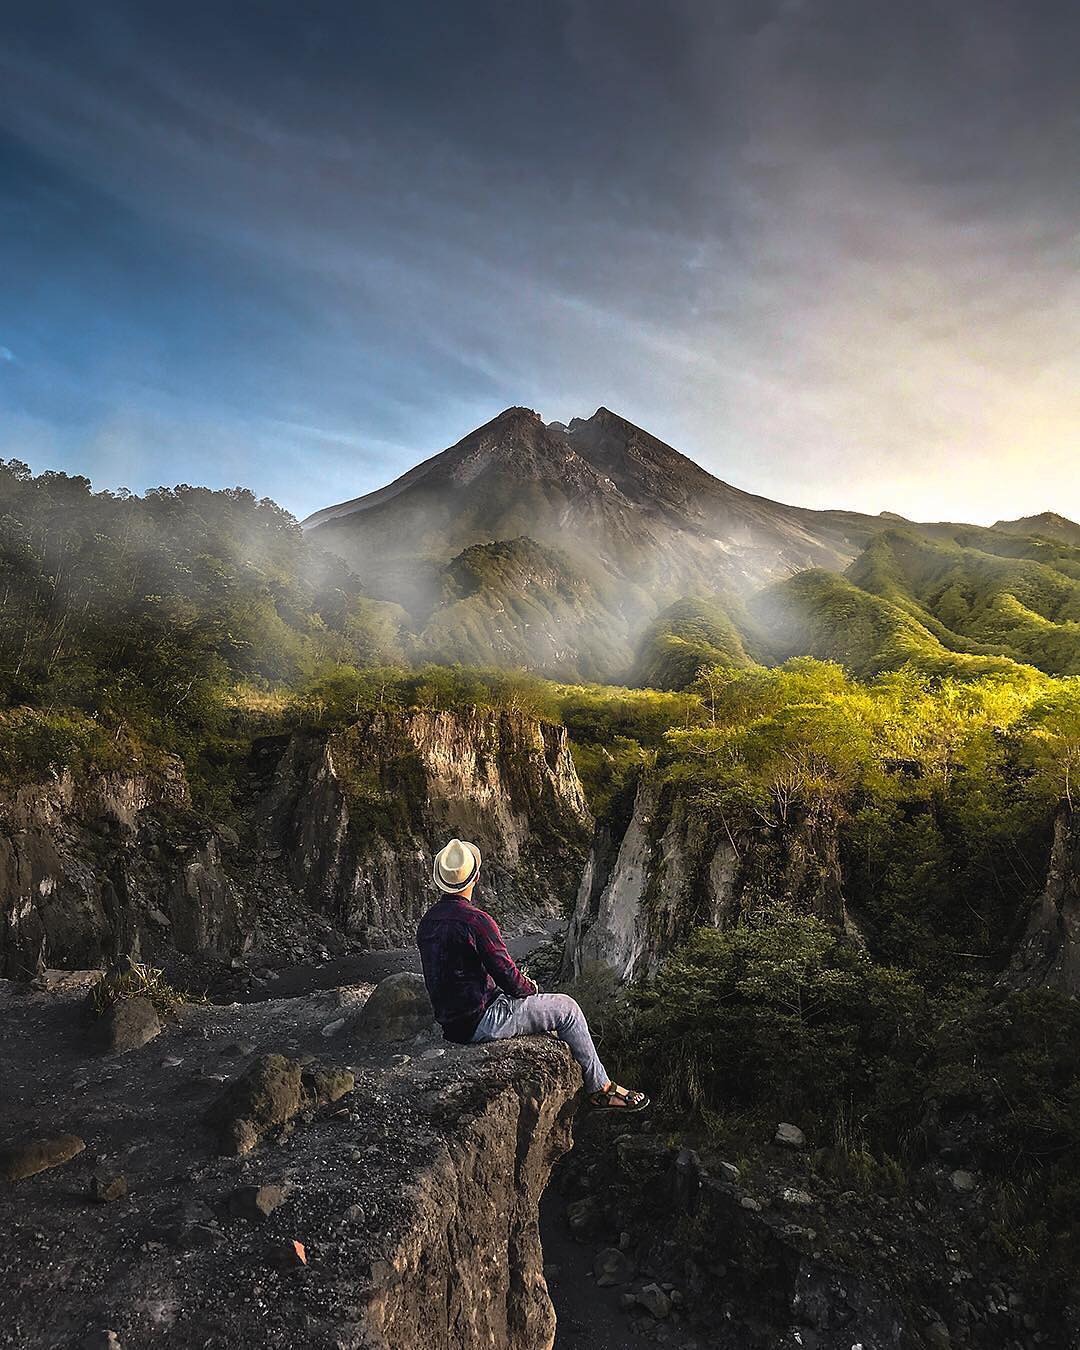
[[789, 1136], [398, 1010], [106, 1186], [128, 1024], [267, 1095], [328, 1085], [38, 1155], [254, 1203], [612, 1266], [100, 1340], [653, 1299]]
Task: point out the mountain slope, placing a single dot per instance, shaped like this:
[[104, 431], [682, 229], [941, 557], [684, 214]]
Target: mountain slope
[[602, 489], [983, 593], [637, 526]]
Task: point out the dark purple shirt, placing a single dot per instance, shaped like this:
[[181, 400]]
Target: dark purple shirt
[[466, 965]]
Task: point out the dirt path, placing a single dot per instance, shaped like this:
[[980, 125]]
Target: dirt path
[[365, 968]]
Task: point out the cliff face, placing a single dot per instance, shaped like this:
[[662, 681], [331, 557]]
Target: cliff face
[[416, 1209], [111, 866], [1049, 951], [675, 868], [119, 865], [359, 814]]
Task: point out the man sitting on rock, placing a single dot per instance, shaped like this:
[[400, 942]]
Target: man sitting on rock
[[479, 994]]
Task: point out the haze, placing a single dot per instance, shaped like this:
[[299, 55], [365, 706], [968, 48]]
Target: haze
[[827, 249]]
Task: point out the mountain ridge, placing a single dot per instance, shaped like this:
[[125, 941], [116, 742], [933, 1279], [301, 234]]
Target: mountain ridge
[[584, 540]]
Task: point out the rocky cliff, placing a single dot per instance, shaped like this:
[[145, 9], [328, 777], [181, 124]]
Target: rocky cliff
[[1049, 950], [110, 865], [675, 866], [95, 869], [360, 812], [401, 1212]]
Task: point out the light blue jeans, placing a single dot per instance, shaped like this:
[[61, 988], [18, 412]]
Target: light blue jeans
[[531, 1016]]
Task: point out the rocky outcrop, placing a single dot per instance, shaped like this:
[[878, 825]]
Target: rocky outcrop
[[94, 869], [678, 866], [413, 1197], [359, 813], [1049, 951]]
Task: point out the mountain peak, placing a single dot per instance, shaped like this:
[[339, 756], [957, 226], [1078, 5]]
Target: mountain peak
[[1050, 524], [515, 414]]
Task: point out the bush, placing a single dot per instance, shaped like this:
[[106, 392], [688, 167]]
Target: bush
[[138, 981], [783, 1015]]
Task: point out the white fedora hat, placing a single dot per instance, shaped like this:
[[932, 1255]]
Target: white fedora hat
[[456, 865]]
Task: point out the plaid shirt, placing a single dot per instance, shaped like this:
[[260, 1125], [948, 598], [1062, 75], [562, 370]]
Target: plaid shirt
[[466, 965]]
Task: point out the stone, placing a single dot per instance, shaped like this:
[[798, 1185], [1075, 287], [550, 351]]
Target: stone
[[228, 837], [936, 1336], [582, 1214], [354, 1214], [171, 1062], [789, 1136], [328, 1085], [748, 1202], [332, 1028], [653, 1299], [791, 1195], [236, 1050], [100, 1340], [197, 1236], [38, 1155], [728, 1171], [105, 1187], [628, 1302], [612, 1267], [290, 1255], [962, 1181], [265, 1096], [398, 1009], [255, 1203], [128, 1024]]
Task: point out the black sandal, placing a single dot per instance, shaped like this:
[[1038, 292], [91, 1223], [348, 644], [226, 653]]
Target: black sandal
[[616, 1098]]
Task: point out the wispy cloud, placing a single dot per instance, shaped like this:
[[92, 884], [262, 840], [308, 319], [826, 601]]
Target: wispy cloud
[[828, 249]]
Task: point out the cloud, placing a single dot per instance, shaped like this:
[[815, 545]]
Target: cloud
[[7, 355], [827, 249]]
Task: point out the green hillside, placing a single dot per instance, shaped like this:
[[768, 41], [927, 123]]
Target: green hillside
[[820, 614], [985, 592], [684, 639], [518, 603]]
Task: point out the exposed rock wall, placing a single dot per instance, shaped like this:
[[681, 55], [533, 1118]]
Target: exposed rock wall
[[1049, 951], [468, 1271], [677, 867], [416, 1208], [110, 866], [359, 814]]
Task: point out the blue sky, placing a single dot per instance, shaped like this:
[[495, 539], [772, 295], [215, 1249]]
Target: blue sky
[[827, 247]]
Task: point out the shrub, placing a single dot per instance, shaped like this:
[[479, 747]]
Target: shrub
[[783, 1015], [138, 981]]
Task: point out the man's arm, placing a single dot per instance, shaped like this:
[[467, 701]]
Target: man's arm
[[497, 960]]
